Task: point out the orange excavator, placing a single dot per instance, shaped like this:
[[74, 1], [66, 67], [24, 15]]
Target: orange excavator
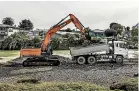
[[43, 56]]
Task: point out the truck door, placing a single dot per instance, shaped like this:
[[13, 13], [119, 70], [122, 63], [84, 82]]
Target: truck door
[[121, 49]]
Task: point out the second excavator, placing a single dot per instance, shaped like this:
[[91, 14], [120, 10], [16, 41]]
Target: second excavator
[[43, 56]]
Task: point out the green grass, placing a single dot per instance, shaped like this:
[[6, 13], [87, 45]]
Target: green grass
[[61, 52], [9, 53], [52, 86], [5, 53]]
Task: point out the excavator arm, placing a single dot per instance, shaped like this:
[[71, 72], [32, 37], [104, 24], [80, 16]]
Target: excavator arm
[[60, 25]]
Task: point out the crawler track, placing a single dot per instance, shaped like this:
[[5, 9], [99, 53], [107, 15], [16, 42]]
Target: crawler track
[[41, 61], [54, 60]]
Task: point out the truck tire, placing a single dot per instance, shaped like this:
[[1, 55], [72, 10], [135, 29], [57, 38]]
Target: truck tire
[[119, 59], [81, 60], [91, 60]]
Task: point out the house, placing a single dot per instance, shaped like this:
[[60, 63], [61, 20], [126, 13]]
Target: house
[[33, 33], [136, 26], [125, 34], [97, 33], [7, 30], [58, 34]]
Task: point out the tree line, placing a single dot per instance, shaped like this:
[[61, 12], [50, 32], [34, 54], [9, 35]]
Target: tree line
[[133, 39], [26, 24], [20, 40]]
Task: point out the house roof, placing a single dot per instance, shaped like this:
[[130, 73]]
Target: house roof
[[136, 26], [98, 31], [8, 26], [63, 33], [4, 25]]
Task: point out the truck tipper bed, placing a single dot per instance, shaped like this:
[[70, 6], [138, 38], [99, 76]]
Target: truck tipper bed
[[91, 49]]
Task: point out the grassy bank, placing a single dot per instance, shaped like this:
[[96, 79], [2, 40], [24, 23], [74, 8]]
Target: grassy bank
[[52, 86], [65, 53], [9, 53]]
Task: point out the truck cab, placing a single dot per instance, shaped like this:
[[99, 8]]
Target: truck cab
[[119, 48]]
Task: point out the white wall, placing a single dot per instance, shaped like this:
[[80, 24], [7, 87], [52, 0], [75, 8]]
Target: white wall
[[12, 31]]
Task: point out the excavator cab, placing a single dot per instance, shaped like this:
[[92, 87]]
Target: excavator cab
[[48, 51]]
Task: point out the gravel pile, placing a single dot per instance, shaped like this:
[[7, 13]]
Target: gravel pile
[[102, 73]]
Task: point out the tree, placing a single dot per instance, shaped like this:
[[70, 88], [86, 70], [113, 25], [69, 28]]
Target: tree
[[88, 33], [71, 41], [111, 25], [73, 30], [36, 42], [15, 41], [134, 32], [128, 28], [20, 40], [77, 35], [8, 21], [128, 32], [68, 30], [26, 24], [117, 27], [66, 35]]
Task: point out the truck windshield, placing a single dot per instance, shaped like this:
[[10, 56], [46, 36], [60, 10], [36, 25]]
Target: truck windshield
[[122, 45]]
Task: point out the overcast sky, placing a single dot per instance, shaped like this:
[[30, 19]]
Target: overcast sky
[[93, 14]]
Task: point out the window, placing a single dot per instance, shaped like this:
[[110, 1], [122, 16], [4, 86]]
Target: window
[[122, 45], [110, 44], [116, 44], [10, 30]]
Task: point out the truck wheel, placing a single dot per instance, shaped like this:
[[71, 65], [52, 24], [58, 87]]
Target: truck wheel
[[119, 59], [91, 60], [81, 60]]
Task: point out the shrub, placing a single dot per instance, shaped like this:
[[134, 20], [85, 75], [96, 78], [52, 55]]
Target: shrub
[[19, 40], [55, 43], [72, 41], [66, 35], [15, 41], [126, 85], [36, 41]]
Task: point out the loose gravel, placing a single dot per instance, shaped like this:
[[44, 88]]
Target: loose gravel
[[102, 73]]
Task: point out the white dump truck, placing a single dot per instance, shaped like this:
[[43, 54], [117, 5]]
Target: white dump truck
[[113, 51]]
